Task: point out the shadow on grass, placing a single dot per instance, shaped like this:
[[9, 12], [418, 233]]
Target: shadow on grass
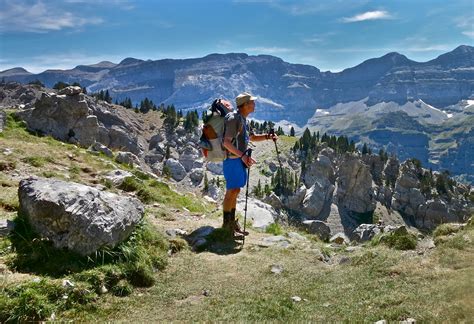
[[215, 240], [143, 251]]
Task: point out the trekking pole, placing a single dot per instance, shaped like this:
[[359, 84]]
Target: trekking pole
[[272, 132], [249, 154]]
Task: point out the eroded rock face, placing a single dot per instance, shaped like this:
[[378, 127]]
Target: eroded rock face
[[73, 117], [354, 186], [66, 118], [78, 217]]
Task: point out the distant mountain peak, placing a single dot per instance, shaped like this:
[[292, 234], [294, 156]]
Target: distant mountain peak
[[463, 49], [14, 71], [130, 60]]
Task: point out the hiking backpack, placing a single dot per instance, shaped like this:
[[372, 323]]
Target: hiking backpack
[[213, 132]]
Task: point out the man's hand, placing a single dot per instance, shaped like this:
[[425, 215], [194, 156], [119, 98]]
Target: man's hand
[[248, 161], [273, 136]]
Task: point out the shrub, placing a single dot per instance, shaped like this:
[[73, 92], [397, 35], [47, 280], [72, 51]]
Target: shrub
[[274, 229], [403, 241]]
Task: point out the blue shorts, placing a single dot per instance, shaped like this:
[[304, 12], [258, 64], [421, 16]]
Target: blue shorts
[[234, 173]]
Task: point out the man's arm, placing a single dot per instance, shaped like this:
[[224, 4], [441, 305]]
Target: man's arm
[[263, 137]]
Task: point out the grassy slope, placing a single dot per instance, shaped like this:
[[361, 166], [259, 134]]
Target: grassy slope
[[373, 283]]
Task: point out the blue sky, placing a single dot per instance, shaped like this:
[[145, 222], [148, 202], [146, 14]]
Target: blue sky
[[331, 35]]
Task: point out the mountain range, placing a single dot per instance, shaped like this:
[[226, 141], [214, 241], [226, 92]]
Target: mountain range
[[410, 108]]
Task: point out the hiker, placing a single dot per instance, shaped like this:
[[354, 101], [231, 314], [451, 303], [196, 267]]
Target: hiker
[[236, 138]]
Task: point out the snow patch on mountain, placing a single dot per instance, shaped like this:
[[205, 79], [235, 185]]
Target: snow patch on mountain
[[270, 102]]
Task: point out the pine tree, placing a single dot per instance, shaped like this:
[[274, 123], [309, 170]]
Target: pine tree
[[365, 150], [292, 131], [107, 97], [60, 85]]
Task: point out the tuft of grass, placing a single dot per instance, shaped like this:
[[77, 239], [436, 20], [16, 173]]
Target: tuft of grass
[[274, 229], [122, 289], [446, 229], [49, 174], [74, 169], [130, 184], [178, 244], [36, 161], [396, 240], [38, 300], [141, 175], [457, 241]]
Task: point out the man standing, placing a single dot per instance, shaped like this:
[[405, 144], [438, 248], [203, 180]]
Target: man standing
[[236, 139]]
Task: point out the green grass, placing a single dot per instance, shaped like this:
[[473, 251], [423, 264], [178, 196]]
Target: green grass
[[133, 263], [446, 229], [378, 283], [399, 240], [274, 229]]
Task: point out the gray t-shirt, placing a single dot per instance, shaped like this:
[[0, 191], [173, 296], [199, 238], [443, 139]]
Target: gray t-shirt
[[237, 128]]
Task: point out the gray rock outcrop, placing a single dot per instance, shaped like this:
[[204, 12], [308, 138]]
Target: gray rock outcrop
[[319, 228], [78, 217], [354, 186], [127, 158]]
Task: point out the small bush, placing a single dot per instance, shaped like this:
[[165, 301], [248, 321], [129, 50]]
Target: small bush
[[122, 289], [404, 241], [274, 229]]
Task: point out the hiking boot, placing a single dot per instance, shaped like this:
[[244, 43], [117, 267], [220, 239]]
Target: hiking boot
[[236, 226], [228, 221]]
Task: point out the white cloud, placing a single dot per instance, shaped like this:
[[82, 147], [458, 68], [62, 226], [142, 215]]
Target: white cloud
[[40, 17], [468, 33], [307, 7], [269, 50], [466, 23], [369, 15]]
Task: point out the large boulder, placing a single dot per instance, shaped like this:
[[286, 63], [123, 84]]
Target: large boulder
[[320, 170], [319, 228], [127, 158], [70, 91], [67, 118], [365, 232], [354, 186], [178, 172], [316, 198], [294, 201], [215, 168], [188, 157], [260, 213], [78, 217]]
